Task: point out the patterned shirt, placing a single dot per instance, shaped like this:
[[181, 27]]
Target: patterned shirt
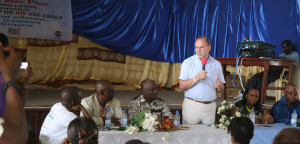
[[158, 107]]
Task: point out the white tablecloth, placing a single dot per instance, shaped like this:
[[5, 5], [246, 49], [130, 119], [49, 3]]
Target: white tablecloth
[[197, 134]]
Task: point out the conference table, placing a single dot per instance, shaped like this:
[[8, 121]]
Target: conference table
[[197, 134], [267, 63]]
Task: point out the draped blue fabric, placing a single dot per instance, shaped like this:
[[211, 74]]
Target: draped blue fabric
[[165, 30]]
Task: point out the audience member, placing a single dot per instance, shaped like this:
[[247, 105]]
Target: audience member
[[26, 78], [54, 128], [13, 128], [148, 102], [82, 130], [250, 101], [97, 104], [200, 82], [288, 136], [282, 110], [241, 130], [273, 74], [135, 141]]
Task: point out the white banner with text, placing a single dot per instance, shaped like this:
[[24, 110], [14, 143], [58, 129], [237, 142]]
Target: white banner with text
[[44, 19]]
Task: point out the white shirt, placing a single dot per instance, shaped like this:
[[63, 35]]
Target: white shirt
[[54, 128], [204, 89]]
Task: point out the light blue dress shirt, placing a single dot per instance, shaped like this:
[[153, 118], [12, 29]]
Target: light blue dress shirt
[[203, 90], [291, 56]]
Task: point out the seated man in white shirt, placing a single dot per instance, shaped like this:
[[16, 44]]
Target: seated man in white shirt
[[54, 128], [98, 103]]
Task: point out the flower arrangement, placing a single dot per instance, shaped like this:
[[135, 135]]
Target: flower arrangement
[[166, 124], [142, 122], [225, 113]]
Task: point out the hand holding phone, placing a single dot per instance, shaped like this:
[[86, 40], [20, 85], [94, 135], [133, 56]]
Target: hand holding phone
[[24, 65]]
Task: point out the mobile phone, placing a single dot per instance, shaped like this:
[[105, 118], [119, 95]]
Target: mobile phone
[[24, 65]]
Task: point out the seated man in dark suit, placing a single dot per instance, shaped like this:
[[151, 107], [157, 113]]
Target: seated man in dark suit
[[283, 109]]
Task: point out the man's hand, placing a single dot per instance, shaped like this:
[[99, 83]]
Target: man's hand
[[65, 141], [116, 121], [201, 75], [218, 84], [9, 65], [267, 119]]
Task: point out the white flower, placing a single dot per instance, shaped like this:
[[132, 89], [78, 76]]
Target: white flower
[[223, 107], [223, 116], [214, 126], [220, 125], [147, 115], [132, 130], [146, 123], [227, 122], [221, 120], [224, 128], [237, 114], [151, 129], [231, 105], [224, 102]]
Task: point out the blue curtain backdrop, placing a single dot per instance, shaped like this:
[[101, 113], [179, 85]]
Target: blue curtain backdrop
[[165, 30]]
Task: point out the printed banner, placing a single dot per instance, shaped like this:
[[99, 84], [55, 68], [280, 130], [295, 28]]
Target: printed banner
[[44, 19]]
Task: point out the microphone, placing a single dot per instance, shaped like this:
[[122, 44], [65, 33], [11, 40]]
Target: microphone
[[203, 62]]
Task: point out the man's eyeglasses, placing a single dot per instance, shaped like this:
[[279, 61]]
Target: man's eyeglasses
[[290, 93]]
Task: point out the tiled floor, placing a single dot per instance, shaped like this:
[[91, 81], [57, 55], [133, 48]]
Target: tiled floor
[[46, 98]]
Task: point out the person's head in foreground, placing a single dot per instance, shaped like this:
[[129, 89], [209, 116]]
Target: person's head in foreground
[[135, 141], [288, 136], [241, 130], [83, 130]]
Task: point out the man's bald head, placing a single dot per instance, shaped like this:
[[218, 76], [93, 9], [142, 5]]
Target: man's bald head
[[70, 96]]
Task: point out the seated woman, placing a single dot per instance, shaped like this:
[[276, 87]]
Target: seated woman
[[251, 101]]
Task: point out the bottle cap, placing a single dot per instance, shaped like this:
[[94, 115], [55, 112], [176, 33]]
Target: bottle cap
[[252, 110], [177, 111], [124, 110], [294, 110], [108, 109]]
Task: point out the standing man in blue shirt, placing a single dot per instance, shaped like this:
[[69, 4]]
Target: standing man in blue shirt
[[200, 85], [283, 109]]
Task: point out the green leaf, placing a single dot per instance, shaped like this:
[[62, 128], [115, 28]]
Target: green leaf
[[136, 121]]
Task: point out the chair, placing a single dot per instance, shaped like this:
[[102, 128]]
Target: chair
[[279, 83]]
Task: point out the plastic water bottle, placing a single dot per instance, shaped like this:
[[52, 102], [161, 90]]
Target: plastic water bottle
[[107, 119], [252, 116], [294, 119], [177, 119], [124, 118]]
